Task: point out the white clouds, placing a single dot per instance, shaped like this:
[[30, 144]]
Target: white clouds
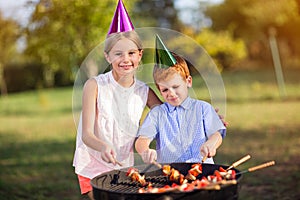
[[19, 10]]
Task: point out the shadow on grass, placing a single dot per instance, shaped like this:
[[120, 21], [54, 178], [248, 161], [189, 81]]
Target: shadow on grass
[[276, 182], [37, 170]]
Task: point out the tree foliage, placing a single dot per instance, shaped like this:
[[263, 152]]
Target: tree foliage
[[252, 21], [9, 33], [250, 17], [225, 50], [61, 33]]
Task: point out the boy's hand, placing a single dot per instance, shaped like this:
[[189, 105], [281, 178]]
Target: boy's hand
[[208, 149], [149, 155]]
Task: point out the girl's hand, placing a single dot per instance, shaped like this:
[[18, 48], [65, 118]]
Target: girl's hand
[[222, 118], [108, 154], [149, 155]]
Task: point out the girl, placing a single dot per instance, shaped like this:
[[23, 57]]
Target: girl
[[112, 105], [111, 110]]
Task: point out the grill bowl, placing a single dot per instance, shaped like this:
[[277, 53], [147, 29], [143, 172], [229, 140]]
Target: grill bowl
[[115, 185]]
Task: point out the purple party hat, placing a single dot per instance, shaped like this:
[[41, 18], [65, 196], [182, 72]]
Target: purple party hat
[[121, 21]]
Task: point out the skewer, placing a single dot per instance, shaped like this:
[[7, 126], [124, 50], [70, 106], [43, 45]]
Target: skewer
[[240, 161], [149, 166], [204, 158], [146, 169], [251, 169], [117, 162], [157, 164]]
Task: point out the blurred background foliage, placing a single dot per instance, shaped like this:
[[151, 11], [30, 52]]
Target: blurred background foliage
[[60, 34]]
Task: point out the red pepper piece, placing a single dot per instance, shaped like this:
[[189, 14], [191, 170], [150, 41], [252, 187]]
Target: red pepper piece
[[218, 175], [221, 169]]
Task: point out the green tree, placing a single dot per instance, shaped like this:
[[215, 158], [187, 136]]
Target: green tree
[[281, 16], [222, 46], [251, 20], [9, 33], [225, 50], [60, 34], [229, 15]]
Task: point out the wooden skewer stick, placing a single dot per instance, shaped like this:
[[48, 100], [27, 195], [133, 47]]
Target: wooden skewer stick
[[240, 161], [268, 164], [117, 162], [157, 164], [264, 165], [204, 158]]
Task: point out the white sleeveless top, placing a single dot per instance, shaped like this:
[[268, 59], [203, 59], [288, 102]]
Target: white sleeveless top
[[117, 120]]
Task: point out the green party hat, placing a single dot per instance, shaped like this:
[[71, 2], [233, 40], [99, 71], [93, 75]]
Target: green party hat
[[163, 58]]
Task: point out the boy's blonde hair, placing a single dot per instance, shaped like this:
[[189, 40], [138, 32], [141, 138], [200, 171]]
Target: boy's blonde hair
[[181, 68], [113, 38]]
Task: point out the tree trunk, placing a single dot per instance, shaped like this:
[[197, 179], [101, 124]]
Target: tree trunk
[[2, 81]]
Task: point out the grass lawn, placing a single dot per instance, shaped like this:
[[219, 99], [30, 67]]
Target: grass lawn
[[37, 139]]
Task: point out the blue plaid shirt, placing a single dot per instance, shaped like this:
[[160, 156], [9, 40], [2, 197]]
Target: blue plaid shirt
[[180, 131]]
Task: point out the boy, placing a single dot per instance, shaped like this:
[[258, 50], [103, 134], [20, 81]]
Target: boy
[[185, 129]]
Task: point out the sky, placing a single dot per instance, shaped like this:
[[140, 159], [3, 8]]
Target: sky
[[18, 10]]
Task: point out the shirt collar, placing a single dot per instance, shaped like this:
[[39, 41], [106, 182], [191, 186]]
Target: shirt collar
[[185, 105]]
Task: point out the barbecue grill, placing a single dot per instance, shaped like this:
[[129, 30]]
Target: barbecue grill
[[115, 185]]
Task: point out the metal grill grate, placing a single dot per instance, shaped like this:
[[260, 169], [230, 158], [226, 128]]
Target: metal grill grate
[[115, 185], [128, 186]]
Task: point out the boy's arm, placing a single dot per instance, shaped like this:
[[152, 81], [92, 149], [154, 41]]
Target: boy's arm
[[142, 147], [209, 148], [142, 144]]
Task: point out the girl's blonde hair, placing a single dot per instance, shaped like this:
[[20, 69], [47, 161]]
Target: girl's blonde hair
[[113, 38], [181, 68]]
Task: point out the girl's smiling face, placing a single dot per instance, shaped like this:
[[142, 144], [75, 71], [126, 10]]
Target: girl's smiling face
[[175, 89], [124, 57]]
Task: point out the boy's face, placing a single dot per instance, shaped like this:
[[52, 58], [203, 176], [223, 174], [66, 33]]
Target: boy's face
[[175, 90], [124, 57]]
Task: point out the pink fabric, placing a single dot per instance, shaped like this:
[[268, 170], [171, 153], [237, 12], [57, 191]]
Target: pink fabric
[[85, 184]]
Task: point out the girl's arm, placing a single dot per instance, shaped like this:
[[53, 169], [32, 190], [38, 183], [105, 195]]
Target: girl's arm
[[90, 92], [152, 100]]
